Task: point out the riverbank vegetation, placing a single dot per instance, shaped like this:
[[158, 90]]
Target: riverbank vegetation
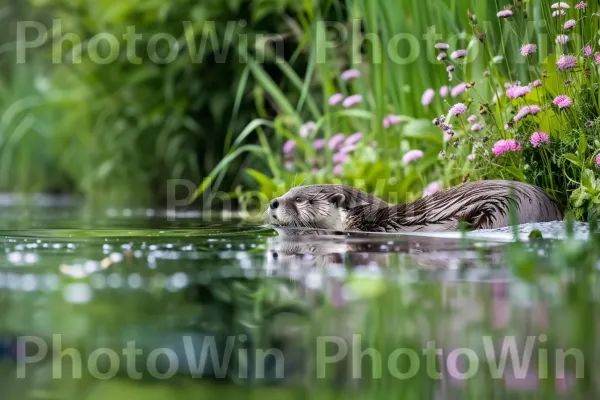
[[506, 92], [258, 96]]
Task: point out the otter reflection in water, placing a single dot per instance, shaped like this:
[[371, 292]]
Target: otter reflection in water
[[479, 205]]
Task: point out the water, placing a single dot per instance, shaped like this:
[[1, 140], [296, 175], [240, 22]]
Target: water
[[134, 304]]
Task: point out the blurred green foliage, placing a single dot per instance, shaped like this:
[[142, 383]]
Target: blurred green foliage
[[25, 121], [143, 122], [120, 129]]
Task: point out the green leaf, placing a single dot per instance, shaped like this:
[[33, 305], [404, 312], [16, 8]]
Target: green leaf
[[579, 197], [423, 129], [203, 186], [549, 121], [251, 127], [374, 171], [588, 180], [362, 114], [582, 145], [224, 163], [267, 185], [573, 158], [516, 173], [301, 85]]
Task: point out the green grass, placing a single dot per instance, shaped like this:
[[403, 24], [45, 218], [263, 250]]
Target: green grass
[[389, 88], [27, 157], [564, 168]]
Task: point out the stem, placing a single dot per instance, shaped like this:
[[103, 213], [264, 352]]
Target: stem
[[548, 168]]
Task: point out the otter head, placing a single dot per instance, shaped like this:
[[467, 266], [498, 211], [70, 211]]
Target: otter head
[[316, 206]]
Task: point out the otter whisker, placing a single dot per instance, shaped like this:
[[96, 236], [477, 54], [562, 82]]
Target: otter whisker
[[304, 180]]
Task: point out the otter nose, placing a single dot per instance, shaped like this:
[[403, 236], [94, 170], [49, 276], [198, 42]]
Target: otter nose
[[274, 204]]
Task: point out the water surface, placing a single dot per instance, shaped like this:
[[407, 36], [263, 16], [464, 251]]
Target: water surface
[[203, 300]]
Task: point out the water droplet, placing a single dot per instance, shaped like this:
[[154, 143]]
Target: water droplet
[[31, 258], [114, 281], [77, 293], [116, 257], [91, 266], [15, 257], [151, 261], [13, 281], [178, 281], [135, 281], [29, 283]]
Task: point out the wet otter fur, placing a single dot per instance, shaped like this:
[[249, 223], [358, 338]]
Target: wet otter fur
[[479, 205]]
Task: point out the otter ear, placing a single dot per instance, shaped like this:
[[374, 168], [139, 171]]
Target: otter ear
[[347, 200], [338, 199]]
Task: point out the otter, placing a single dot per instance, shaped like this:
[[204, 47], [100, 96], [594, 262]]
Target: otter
[[476, 205]]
